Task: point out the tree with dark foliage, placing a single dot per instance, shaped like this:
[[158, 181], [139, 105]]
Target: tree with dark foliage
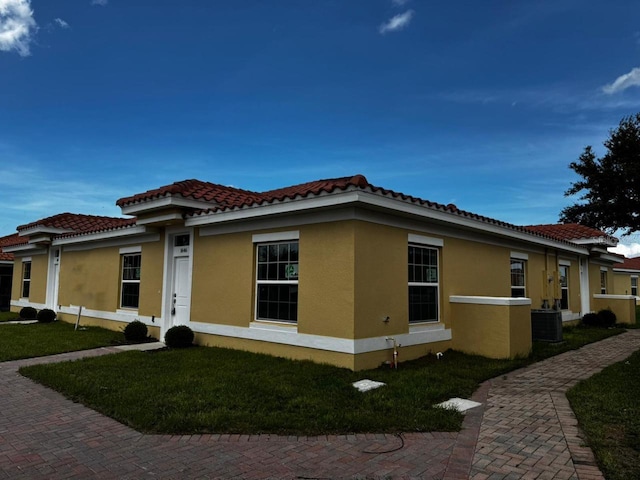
[[610, 185]]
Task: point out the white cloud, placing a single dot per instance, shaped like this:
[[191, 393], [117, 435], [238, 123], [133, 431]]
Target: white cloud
[[61, 22], [628, 250], [400, 3], [102, 3], [396, 23], [631, 79], [16, 26]]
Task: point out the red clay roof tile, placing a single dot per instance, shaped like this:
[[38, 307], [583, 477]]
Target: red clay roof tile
[[629, 264], [13, 239], [195, 190], [569, 231], [78, 223]]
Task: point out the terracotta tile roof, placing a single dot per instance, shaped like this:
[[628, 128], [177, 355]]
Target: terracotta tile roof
[[302, 190], [77, 223], [629, 264], [358, 182], [570, 232], [6, 241], [195, 190], [315, 188]]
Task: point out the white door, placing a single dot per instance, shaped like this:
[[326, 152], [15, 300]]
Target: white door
[[180, 300], [585, 295], [53, 281]]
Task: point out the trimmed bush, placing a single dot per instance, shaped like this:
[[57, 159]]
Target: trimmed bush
[[46, 315], [28, 313], [607, 318], [603, 319], [135, 331], [179, 336], [590, 320]]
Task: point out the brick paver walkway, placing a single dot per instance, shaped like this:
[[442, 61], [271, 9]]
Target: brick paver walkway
[[527, 430]]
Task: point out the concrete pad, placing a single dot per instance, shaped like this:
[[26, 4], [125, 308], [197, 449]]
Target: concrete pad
[[366, 385], [143, 347], [459, 404]]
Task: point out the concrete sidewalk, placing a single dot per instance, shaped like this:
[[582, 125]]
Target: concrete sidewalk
[[526, 430]]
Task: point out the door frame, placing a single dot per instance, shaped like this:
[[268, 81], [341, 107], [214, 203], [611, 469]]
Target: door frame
[[171, 253], [53, 278]]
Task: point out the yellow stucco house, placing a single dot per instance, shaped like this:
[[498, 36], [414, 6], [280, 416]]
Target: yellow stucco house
[[337, 271]]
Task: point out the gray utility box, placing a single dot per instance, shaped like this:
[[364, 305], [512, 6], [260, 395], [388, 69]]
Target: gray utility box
[[546, 325]]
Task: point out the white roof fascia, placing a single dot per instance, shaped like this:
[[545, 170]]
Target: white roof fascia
[[610, 258], [24, 249], [19, 248], [595, 241], [42, 229], [163, 202], [626, 270], [377, 200], [98, 236], [159, 219]]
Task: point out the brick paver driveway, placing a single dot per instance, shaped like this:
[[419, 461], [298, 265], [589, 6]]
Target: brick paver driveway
[[525, 431]]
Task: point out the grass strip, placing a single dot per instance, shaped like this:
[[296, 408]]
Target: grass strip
[[215, 390], [608, 412], [40, 339], [8, 316]]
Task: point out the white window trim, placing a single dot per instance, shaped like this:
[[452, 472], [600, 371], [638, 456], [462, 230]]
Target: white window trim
[[23, 280], [123, 281], [275, 237], [130, 250], [568, 267], [266, 239], [606, 280], [424, 240], [520, 256], [426, 284], [524, 274]]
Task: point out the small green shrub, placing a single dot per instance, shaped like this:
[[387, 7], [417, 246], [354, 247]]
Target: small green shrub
[[590, 320], [607, 318], [135, 331], [179, 336], [46, 315], [28, 313], [603, 319]]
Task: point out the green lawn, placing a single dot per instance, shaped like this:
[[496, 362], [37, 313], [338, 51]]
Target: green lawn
[[608, 410], [6, 316], [225, 391], [40, 339]]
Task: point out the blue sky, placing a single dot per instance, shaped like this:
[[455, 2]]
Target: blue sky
[[481, 104]]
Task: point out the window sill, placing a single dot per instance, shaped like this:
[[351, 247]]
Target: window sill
[[274, 326], [425, 326]]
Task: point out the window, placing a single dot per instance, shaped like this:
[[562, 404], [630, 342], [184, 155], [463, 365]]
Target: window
[[423, 284], [564, 287], [277, 281], [26, 279], [634, 286], [603, 282], [518, 288], [130, 292]]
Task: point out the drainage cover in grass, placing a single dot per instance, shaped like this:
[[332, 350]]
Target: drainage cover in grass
[[459, 404], [366, 385]]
